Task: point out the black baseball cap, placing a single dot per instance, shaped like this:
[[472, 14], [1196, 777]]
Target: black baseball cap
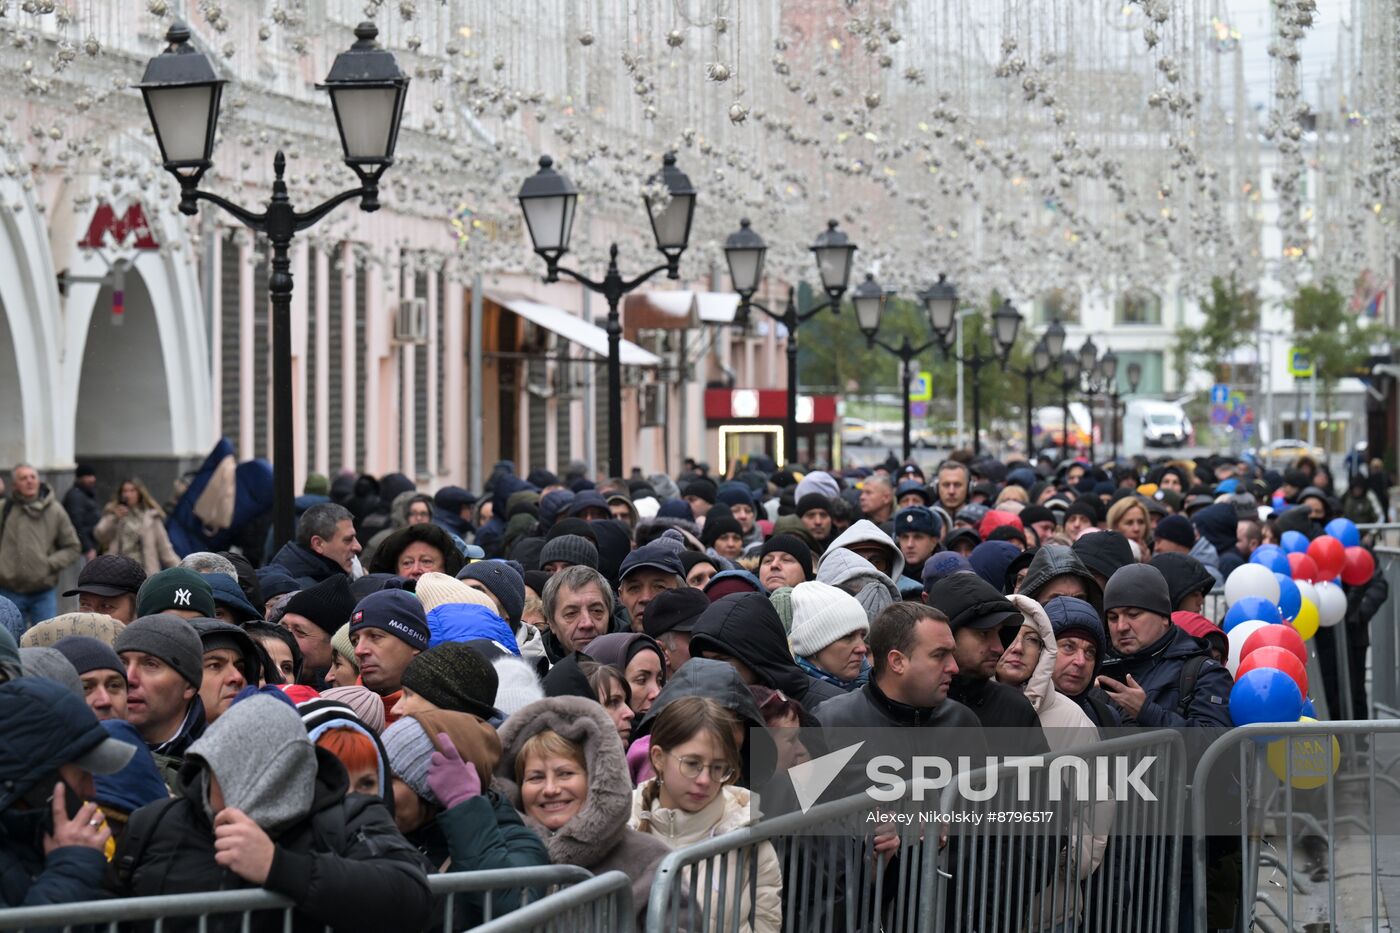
[[675, 610], [110, 575]]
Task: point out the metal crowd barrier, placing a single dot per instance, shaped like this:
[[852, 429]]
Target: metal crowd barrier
[[1272, 817], [1385, 639], [598, 905], [203, 906], [1113, 866], [1090, 865]]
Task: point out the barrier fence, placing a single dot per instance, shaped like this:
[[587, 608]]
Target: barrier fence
[[1092, 865], [1385, 639], [238, 909]]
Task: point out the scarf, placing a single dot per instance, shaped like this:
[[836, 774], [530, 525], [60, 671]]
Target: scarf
[[848, 685]]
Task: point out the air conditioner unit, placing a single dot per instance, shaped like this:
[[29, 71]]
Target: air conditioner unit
[[411, 322]]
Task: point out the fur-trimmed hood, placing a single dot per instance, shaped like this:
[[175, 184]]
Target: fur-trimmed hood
[[599, 826]]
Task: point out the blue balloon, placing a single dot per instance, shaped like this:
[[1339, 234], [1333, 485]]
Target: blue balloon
[[1273, 557], [1294, 542], [1290, 598], [1308, 709], [1345, 531], [1265, 694], [1251, 608]]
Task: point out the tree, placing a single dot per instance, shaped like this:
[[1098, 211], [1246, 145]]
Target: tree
[[1231, 318], [1333, 337]]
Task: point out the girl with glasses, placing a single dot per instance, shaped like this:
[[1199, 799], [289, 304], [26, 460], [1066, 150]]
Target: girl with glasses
[[695, 755]]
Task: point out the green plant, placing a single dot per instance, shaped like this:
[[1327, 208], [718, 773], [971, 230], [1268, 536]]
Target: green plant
[[1231, 318], [1333, 337]]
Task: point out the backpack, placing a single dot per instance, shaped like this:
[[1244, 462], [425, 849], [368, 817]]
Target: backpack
[[1190, 672]]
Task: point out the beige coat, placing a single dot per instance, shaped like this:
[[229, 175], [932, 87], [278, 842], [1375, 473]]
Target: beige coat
[[140, 535], [729, 811], [37, 541]]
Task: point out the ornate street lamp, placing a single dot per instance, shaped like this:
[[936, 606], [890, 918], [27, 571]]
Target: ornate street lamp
[[182, 94], [549, 200], [744, 252]]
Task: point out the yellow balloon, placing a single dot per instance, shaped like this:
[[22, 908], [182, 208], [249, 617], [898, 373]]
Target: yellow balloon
[[1306, 621], [1311, 765]]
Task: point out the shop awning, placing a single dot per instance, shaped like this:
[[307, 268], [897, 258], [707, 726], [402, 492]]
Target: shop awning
[[678, 310], [571, 328]]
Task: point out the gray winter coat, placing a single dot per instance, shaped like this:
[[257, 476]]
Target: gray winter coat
[[598, 837]]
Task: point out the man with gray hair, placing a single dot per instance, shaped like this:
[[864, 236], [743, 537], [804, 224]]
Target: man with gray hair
[[578, 607], [325, 545], [37, 541], [209, 562]]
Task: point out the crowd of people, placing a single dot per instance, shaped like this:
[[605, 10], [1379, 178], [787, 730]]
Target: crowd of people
[[577, 672]]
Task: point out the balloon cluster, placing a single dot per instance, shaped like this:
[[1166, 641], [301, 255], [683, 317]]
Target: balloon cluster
[[1277, 603]]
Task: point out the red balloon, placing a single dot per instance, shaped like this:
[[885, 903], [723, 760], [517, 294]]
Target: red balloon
[[1304, 567], [1279, 659], [1357, 566], [1276, 636], [1329, 555]]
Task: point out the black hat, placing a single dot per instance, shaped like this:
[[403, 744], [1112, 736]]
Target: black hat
[[971, 602], [1036, 513], [1176, 529], [674, 610], [89, 654], [1138, 586], [109, 575], [658, 555], [812, 502], [1103, 552], [960, 535], [702, 487], [790, 544], [328, 604], [719, 523], [454, 677], [1086, 507]]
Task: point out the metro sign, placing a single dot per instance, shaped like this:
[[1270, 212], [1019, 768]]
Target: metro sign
[[130, 223]]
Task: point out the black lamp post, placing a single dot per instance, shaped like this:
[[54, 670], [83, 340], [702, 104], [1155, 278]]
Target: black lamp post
[[869, 299], [744, 251], [1039, 365], [548, 200], [1134, 377], [367, 91], [1069, 370], [1106, 381], [1006, 323], [1089, 369]]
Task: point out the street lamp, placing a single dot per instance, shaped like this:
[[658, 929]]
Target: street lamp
[[1069, 369], [744, 251], [869, 299], [1108, 369], [1089, 369], [549, 200], [1055, 339], [1039, 365], [1006, 323], [182, 95], [1134, 377]]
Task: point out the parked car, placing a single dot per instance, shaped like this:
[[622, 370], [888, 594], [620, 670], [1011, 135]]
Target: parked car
[[1285, 450], [857, 432], [1152, 423]]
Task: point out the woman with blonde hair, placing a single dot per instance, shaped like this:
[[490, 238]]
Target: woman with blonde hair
[[133, 525], [695, 755], [1129, 517]]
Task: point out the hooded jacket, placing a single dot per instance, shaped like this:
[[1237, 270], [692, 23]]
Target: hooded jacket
[[990, 561], [1208, 557], [1069, 616], [598, 837], [618, 648], [37, 541], [1157, 670], [1217, 524], [342, 860], [42, 727], [852, 573], [304, 565], [1055, 560], [867, 532], [745, 626]]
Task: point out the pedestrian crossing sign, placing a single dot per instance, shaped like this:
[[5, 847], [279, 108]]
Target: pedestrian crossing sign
[[921, 387]]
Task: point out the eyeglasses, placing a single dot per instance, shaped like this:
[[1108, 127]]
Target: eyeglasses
[[691, 768]]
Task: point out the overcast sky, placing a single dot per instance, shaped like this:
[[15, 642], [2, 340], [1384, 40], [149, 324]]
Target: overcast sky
[[1252, 19]]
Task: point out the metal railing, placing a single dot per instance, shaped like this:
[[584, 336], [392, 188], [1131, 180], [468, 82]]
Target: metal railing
[[1295, 802], [1385, 639], [240, 906], [598, 905]]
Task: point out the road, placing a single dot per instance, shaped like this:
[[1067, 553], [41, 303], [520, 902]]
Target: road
[[869, 455]]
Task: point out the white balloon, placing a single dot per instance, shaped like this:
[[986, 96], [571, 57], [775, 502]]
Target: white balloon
[[1332, 604], [1309, 592], [1251, 580], [1238, 636]]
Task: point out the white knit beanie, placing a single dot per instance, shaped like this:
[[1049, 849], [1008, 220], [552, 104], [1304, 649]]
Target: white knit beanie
[[438, 589], [822, 614]]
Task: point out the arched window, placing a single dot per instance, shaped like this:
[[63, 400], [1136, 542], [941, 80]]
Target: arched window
[[1057, 304], [1139, 306]]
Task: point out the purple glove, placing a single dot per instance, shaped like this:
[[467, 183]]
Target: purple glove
[[452, 780]]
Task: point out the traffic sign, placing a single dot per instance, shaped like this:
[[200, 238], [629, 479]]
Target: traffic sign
[[1300, 364], [918, 410], [921, 387], [1219, 394]]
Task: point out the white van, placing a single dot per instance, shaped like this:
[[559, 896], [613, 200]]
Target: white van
[[1152, 423]]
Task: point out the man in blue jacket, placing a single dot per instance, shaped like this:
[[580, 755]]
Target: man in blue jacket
[[51, 842], [1158, 675]]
